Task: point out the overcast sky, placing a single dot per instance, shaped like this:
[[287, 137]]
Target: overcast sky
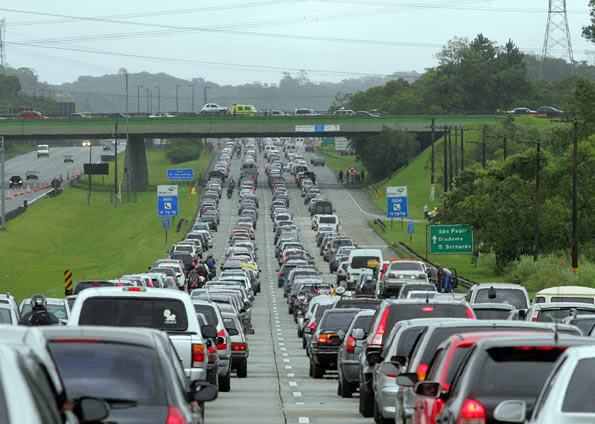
[[411, 32]]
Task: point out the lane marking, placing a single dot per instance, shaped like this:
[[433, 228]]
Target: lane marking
[[290, 374], [300, 403], [297, 394], [287, 360], [293, 384], [288, 367], [304, 420]]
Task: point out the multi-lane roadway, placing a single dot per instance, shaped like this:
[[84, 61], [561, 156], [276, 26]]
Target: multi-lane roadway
[[278, 388]]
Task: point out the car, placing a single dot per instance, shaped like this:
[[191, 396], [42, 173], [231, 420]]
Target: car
[[43, 150], [564, 398], [138, 373], [585, 323], [239, 344], [344, 112], [213, 109], [366, 114], [304, 112], [566, 294], [8, 315], [549, 111], [16, 181], [521, 111], [492, 372], [32, 175], [511, 294], [68, 158], [31, 114], [167, 310], [556, 312], [55, 305]]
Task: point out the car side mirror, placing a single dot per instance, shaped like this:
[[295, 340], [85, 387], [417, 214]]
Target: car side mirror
[[429, 389], [250, 331], [511, 411], [208, 331], [358, 334], [407, 379], [373, 358], [204, 392], [399, 360], [90, 410], [522, 314], [63, 322]]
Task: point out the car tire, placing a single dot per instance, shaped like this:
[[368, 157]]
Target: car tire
[[242, 370], [300, 333], [366, 402], [225, 382], [290, 309], [317, 370], [304, 343], [345, 389]]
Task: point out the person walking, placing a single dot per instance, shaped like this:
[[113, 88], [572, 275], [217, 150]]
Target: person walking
[[362, 176], [447, 281], [426, 211], [341, 176]]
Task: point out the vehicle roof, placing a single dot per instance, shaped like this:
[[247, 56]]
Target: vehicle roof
[[534, 340], [498, 286], [146, 337], [434, 301], [494, 323], [565, 305], [567, 290], [123, 292]]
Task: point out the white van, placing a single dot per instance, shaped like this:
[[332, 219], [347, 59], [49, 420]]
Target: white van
[[43, 150], [566, 294], [358, 261], [331, 221]]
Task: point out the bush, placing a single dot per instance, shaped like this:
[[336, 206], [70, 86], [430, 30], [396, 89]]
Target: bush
[[183, 151], [550, 271]]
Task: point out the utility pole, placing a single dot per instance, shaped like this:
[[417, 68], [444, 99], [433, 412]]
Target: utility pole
[[455, 151], [116, 165], [432, 159], [192, 85], [483, 147], [138, 87], [574, 247], [536, 218], [158, 99], [177, 99], [2, 181], [450, 167], [445, 159], [504, 148], [126, 77], [90, 179], [147, 94], [204, 94], [462, 150], [150, 101]]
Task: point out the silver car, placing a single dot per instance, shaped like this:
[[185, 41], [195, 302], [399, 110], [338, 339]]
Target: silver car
[[239, 344], [8, 315], [566, 397], [350, 351]]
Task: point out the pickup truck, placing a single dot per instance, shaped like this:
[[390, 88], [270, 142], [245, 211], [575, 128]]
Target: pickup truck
[[170, 311]]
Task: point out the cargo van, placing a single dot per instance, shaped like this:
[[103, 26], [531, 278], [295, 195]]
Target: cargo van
[[245, 110], [358, 262], [43, 150]]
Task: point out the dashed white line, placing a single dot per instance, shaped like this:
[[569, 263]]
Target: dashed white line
[[293, 384], [297, 394], [303, 420]]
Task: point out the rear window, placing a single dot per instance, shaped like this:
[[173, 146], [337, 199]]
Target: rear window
[[512, 297], [364, 322], [162, 314], [230, 326], [327, 219], [585, 325], [209, 313], [579, 395], [491, 313], [58, 310], [323, 208], [338, 320], [506, 366], [362, 261], [574, 299], [372, 304], [110, 371], [320, 310], [406, 266], [5, 316], [402, 312], [558, 314]]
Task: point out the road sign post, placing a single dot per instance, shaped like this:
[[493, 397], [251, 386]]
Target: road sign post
[[67, 282], [410, 230], [166, 222], [451, 239], [396, 202], [167, 200]]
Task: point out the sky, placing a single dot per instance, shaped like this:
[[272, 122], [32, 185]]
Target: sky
[[239, 41]]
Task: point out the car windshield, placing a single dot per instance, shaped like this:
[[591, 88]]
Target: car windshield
[[5, 316], [230, 326], [162, 314], [401, 312], [372, 304], [121, 374], [58, 310], [514, 297]]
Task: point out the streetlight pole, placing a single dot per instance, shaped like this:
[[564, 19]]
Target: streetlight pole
[[536, 215], [432, 160], [177, 99], [138, 87], [2, 177], [574, 247], [192, 85], [126, 77], [158, 99], [204, 93], [147, 94]]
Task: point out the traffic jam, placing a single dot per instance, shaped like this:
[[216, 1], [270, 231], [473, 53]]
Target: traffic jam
[[166, 344]]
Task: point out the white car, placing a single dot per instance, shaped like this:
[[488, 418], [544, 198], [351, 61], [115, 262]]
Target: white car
[[213, 109]]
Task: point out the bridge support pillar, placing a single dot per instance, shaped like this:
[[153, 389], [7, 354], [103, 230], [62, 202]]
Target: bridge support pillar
[[136, 171]]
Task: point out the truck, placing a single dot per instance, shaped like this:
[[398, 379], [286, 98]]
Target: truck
[[43, 150]]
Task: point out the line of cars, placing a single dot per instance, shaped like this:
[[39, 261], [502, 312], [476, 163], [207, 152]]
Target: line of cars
[[100, 366], [416, 355]]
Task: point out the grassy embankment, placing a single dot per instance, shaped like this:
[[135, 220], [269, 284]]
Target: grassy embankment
[[99, 241]]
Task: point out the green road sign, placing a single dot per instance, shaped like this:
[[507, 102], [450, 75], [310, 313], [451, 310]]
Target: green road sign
[[451, 239], [327, 140]]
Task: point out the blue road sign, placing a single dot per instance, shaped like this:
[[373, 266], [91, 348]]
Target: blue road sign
[[396, 207], [166, 222], [180, 174], [410, 227], [167, 205]]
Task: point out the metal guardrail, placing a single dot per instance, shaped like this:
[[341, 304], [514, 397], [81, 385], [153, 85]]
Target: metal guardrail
[[380, 224]]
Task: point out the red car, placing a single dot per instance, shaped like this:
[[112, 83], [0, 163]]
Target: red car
[[31, 114]]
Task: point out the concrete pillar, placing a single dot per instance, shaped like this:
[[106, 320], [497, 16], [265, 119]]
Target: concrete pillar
[[136, 172]]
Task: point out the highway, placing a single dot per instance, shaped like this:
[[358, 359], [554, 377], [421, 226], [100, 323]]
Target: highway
[[278, 388], [48, 169]]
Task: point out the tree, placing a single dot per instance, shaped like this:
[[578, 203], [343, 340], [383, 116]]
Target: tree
[[589, 30]]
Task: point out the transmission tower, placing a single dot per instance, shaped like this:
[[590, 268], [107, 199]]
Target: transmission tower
[[2, 45], [557, 42]]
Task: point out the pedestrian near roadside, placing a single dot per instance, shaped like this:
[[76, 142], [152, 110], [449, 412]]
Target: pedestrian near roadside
[[341, 176], [426, 211], [439, 278], [362, 175], [447, 281]]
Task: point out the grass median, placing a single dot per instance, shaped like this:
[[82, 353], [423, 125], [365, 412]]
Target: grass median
[[96, 241]]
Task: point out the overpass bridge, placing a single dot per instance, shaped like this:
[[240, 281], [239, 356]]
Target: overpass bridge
[[137, 129]]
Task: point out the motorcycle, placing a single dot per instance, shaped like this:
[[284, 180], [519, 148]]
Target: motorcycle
[[229, 192]]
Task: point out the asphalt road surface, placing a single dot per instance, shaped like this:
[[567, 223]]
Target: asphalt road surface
[[278, 388], [48, 168]]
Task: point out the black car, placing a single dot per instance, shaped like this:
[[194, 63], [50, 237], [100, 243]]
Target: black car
[[68, 159], [32, 175], [327, 339], [15, 181], [549, 111]]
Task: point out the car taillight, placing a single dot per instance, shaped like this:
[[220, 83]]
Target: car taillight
[[239, 347], [198, 355], [427, 308], [377, 339], [134, 289], [312, 326], [535, 315], [437, 407], [472, 412], [174, 416], [222, 346], [350, 344], [470, 313], [325, 338], [422, 371], [281, 274]]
